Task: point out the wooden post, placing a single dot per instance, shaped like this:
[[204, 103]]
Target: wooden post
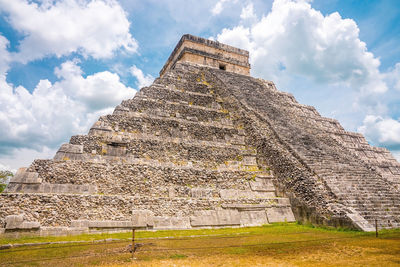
[[376, 228], [133, 243]]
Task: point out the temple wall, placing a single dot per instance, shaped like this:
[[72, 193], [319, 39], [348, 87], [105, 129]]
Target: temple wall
[[208, 53], [215, 63]]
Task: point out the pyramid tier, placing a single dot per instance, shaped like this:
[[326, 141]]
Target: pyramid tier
[[186, 80], [61, 211], [172, 94], [171, 127], [147, 177], [211, 154], [174, 109]]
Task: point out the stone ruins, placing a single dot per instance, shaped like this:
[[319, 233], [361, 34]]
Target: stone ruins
[[206, 145]]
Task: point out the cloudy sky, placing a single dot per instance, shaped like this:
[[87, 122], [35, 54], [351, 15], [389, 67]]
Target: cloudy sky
[[65, 63]]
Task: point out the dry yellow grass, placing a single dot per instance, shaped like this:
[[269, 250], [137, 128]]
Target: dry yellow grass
[[273, 245]]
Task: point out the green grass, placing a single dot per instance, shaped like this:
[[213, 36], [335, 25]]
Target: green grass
[[139, 234], [275, 228], [275, 244], [178, 256]]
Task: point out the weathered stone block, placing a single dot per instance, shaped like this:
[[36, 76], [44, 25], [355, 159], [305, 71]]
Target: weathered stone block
[[110, 224], [24, 177], [280, 214], [215, 218], [167, 222], [241, 207], [243, 194], [253, 218], [261, 184], [52, 188], [22, 187], [116, 151], [201, 192], [360, 222], [69, 148], [249, 160], [29, 225], [238, 140], [142, 218], [18, 222], [69, 152], [62, 231], [98, 127], [13, 221], [79, 223]]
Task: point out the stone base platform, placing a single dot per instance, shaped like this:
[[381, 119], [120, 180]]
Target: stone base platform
[[64, 214]]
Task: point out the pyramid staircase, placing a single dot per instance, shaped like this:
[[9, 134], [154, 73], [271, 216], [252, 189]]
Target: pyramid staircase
[[361, 182]]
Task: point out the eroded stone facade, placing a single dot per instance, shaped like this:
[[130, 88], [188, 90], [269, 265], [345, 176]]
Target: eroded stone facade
[[204, 147]]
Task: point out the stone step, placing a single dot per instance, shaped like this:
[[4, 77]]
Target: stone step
[[372, 215], [275, 202], [180, 96], [174, 109], [52, 188], [262, 185], [242, 162], [164, 190], [172, 87], [379, 207], [246, 194], [196, 87]]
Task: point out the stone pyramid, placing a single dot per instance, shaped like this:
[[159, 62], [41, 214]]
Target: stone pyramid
[[206, 145]]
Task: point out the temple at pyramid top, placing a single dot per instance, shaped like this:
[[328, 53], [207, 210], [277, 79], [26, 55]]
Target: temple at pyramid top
[[201, 51]]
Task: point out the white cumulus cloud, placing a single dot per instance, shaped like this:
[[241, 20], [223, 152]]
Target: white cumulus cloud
[[384, 131], [296, 39], [393, 77], [217, 9], [23, 157], [51, 113], [248, 12], [98, 91], [294, 43], [94, 28], [4, 56], [142, 79]]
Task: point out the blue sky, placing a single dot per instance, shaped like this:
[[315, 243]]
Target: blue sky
[[64, 63]]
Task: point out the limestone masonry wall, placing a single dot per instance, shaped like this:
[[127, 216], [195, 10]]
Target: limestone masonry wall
[[196, 50], [204, 147]]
